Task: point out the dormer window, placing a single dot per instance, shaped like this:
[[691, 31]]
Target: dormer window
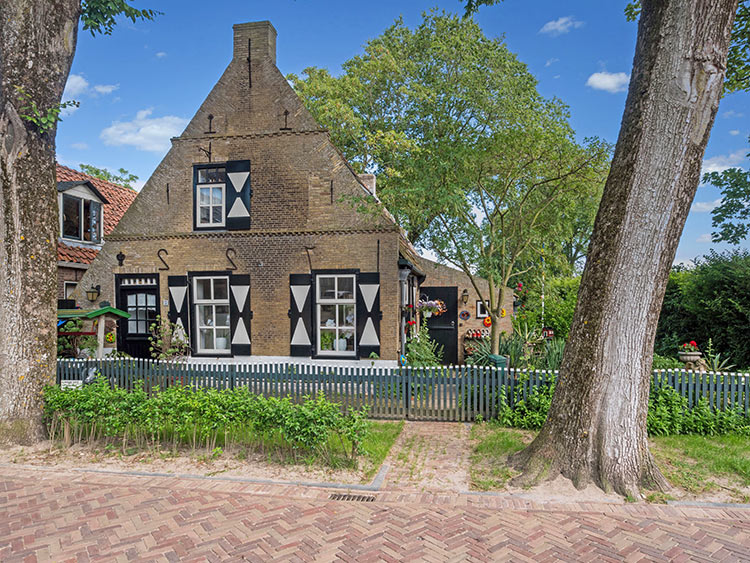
[[80, 212]]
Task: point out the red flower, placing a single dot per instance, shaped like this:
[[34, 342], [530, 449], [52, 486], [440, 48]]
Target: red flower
[[411, 322], [693, 343], [410, 306]]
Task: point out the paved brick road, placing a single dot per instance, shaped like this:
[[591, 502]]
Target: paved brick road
[[48, 515]]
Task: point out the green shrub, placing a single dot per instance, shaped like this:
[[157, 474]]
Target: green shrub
[[421, 351], [665, 362], [185, 416]]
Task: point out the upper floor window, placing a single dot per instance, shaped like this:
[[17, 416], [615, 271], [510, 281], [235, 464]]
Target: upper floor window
[[81, 219], [221, 195], [211, 192]]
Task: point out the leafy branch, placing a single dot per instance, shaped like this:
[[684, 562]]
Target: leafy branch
[[43, 119]]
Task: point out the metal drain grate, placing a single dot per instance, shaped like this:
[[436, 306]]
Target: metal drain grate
[[353, 498]]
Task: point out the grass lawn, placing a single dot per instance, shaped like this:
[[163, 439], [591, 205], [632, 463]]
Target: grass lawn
[[705, 464], [378, 443], [697, 466]]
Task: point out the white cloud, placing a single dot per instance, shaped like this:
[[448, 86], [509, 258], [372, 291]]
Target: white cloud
[[732, 114], [551, 61], [106, 88], [145, 133], [161, 55], [687, 262], [723, 161], [734, 132], [75, 86], [611, 82], [80, 146], [705, 237], [560, 26], [705, 206]]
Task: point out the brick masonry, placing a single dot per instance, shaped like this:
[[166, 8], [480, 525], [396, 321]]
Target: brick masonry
[[302, 214]]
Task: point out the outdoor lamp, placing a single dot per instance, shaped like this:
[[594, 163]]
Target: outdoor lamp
[[465, 296], [93, 293]]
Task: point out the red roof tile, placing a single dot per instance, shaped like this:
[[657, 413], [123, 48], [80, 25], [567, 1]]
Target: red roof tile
[[78, 254], [119, 197]]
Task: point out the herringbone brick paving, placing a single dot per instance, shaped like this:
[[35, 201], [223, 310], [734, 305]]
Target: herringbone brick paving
[[49, 515]]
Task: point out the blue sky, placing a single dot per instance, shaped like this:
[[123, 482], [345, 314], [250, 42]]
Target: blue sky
[[139, 86]]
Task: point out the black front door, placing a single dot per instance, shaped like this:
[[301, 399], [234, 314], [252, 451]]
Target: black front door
[[444, 329], [138, 295]]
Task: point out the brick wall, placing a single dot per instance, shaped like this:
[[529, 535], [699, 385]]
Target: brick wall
[[65, 274]]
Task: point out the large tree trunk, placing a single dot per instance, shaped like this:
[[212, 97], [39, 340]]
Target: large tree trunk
[[37, 43], [596, 428]]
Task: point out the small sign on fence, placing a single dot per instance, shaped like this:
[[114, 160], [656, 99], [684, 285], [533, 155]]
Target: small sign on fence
[[71, 383]]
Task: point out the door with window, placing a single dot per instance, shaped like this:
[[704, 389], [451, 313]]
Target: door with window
[[138, 295]]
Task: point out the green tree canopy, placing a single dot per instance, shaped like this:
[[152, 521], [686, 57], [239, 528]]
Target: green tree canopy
[[123, 177], [472, 161]]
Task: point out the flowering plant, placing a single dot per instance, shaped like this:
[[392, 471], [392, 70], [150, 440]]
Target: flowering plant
[[435, 307], [691, 346], [110, 337], [411, 322]]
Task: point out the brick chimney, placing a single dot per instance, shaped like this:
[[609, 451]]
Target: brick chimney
[[369, 181], [261, 37]]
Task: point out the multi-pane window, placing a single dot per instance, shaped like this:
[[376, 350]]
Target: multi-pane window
[[336, 314], [142, 309], [212, 314], [81, 219], [211, 197]]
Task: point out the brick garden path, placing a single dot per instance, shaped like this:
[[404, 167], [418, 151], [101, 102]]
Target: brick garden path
[[432, 456], [50, 515]]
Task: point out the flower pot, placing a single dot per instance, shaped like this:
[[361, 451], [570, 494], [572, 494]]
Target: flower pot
[[427, 314], [689, 357], [221, 342]]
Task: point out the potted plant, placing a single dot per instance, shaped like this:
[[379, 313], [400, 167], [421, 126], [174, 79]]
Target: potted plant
[[689, 352], [431, 307]]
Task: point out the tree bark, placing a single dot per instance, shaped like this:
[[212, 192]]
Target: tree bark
[[37, 44], [596, 427]]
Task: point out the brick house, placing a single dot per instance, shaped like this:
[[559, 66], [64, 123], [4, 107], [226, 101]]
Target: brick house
[[89, 210], [245, 235]]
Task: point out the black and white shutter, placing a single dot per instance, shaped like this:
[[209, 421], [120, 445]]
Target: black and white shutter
[[300, 314], [179, 304], [368, 314], [238, 194], [240, 313]]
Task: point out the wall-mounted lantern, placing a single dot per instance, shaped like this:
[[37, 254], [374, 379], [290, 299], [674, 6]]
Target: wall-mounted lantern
[[93, 293], [465, 296]]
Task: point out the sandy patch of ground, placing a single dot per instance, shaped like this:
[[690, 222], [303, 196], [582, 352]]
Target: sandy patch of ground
[[226, 464]]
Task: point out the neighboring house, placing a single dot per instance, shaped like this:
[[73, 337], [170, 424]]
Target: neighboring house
[[89, 210], [245, 235]]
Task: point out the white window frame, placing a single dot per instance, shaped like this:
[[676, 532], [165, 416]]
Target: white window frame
[[66, 294], [320, 301], [198, 206], [197, 303], [482, 314], [81, 226]]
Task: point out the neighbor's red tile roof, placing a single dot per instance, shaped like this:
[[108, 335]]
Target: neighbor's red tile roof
[[78, 254], [119, 199]]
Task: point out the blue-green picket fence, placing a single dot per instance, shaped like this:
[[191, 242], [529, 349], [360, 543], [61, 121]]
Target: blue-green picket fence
[[446, 393]]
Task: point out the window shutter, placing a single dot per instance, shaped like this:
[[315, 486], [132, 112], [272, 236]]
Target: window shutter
[[240, 313], [238, 194], [368, 314], [179, 303], [300, 314]]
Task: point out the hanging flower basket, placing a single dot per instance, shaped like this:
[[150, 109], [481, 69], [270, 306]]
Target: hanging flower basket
[[431, 307]]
